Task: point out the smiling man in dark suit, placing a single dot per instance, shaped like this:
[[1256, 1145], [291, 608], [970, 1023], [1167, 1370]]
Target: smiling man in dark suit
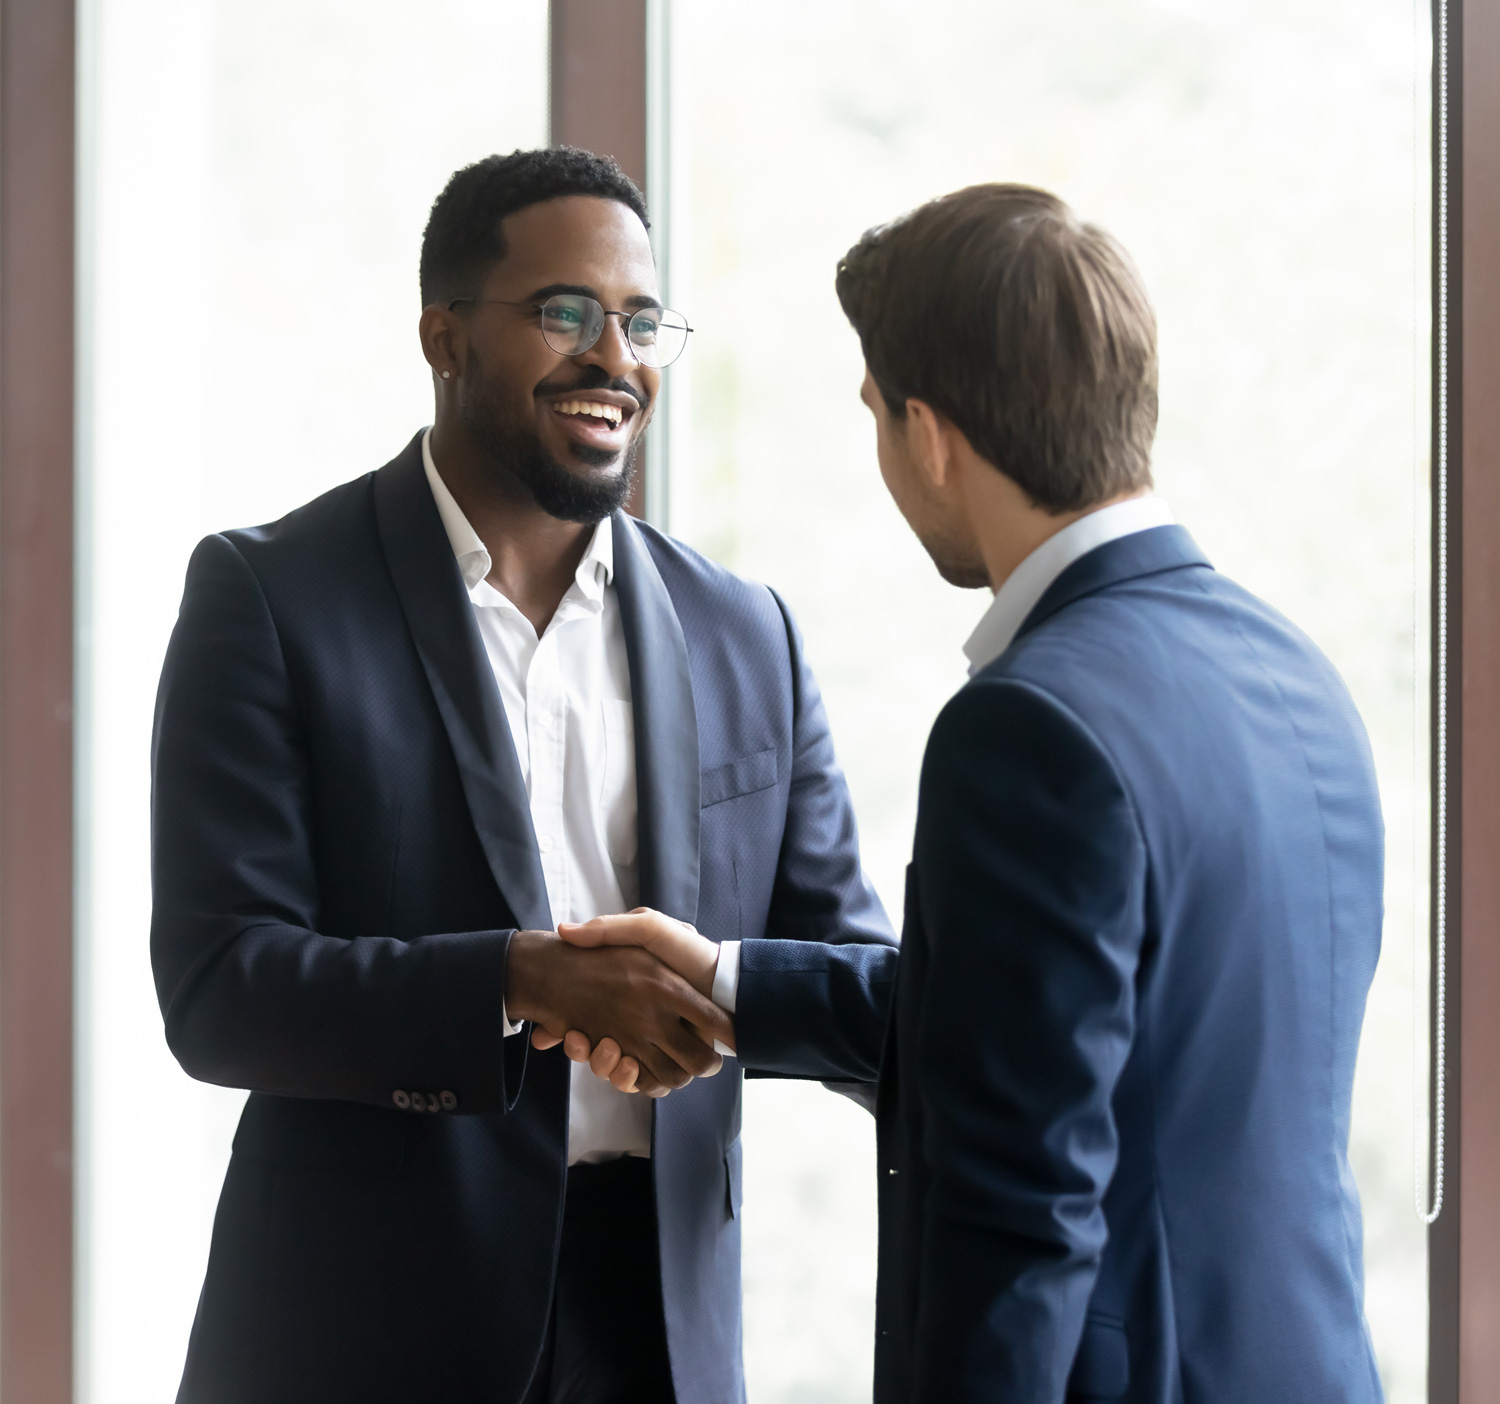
[[400, 734], [1144, 903]]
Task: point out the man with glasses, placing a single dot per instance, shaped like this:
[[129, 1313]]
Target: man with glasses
[[401, 734]]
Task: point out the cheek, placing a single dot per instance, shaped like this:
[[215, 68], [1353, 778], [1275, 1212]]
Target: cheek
[[893, 470], [512, 370], [650, 383]]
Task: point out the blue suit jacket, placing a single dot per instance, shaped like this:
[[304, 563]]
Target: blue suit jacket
[[341, 848], [1142, 916]]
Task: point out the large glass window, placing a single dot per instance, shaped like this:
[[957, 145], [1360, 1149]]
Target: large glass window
[[1266, 165], [255, 182], [257, 177]]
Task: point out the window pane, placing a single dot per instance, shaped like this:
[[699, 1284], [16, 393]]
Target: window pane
[[258, 180], [1266, 166]]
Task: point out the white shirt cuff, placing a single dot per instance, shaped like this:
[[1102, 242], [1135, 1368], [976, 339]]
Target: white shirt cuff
[[726, 986], [505, 1023]]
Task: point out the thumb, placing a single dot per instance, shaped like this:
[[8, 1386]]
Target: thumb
[[627, 929]]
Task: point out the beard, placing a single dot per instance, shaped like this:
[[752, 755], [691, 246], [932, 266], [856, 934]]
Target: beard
[[518, 452], [947, 540], [958, 566]]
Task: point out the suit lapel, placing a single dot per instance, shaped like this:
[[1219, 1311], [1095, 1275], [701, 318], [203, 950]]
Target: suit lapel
[[666, 728], [441, 620]]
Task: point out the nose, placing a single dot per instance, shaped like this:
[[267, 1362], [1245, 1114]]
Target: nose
[[612, 351]]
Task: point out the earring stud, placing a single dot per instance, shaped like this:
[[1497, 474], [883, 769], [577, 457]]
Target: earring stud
[[445, 375]]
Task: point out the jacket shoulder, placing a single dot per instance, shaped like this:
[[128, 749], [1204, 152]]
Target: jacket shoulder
[[706, 593], [317, 527]]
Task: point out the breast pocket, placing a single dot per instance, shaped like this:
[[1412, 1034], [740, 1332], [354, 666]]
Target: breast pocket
[[617, 796], [746, 776]]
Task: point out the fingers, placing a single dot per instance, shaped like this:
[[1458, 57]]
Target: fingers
[[675, 943], [706, 1021], [651, 1014], [625, 1075], [690, 1052], [636, 928], [605, 1059], [660, 1069]]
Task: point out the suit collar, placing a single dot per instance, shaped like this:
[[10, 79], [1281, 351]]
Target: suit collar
[[435, 602], [1028, 582], [595, 570], [666, 727], [1142, 553]]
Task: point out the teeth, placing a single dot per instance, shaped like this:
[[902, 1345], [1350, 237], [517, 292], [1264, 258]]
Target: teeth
[[593, 408]]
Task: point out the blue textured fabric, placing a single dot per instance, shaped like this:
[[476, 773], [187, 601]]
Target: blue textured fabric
[[341, 849], [1142, 917]]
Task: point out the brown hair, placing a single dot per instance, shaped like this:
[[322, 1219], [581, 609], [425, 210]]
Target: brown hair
[[1025, 327]]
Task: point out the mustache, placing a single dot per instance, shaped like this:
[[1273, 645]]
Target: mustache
[[593, 378]]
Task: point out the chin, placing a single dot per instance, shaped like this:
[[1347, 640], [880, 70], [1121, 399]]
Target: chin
[[595, 458], [965, 575], [965, 571]]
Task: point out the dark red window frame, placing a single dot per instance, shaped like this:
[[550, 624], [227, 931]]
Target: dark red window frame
[[1464, 1243]]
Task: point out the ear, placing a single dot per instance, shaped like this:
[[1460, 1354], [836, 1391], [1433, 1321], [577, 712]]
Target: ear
[[444, 338], [929, 442]]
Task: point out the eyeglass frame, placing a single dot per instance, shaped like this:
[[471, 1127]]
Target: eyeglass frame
[[629, 317]]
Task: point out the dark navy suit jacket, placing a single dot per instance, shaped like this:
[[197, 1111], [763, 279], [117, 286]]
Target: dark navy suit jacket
[[1142, 915], [341, 848]]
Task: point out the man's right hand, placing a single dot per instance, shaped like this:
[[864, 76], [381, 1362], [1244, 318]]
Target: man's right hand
[[623, 993]]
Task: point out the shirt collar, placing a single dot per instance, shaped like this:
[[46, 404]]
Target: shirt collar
[[1028, 582], [595, 571]]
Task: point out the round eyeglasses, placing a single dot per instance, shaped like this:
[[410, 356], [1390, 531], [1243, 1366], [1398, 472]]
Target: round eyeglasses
[[573, 322]]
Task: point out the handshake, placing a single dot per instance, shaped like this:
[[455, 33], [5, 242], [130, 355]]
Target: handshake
[[629, 995]]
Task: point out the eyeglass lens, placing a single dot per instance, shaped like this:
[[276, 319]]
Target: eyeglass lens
[[571, 323]]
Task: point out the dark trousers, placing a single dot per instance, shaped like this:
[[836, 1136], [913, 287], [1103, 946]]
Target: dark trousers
[[607, 1337]]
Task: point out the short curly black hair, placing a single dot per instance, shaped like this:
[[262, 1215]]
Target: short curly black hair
[[463, 239]]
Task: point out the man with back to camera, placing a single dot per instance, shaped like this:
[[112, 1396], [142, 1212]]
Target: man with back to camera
[[1145, 897], [400, 733]]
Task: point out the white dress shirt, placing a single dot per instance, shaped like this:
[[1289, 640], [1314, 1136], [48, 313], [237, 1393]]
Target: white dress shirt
[[1028, 582], [568, 702]]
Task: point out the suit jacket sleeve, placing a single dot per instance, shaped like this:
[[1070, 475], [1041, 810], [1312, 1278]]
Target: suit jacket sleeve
[[814, 993], [252, 994], [1029, 874]]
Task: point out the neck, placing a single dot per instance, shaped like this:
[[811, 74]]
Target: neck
[[533, 555], [1009, 526]]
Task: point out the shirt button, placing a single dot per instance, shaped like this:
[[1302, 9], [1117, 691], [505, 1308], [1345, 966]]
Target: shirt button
[[544, 844]]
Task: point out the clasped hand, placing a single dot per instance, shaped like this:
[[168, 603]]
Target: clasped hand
[[628, 994]]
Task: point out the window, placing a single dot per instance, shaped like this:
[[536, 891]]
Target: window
[[259, 181], [1267, 167]]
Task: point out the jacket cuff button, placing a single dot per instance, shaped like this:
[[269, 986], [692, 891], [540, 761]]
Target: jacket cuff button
[[448, 1100], [401, 1099]]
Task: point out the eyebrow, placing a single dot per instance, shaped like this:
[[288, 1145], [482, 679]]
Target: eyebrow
[[583, 290]]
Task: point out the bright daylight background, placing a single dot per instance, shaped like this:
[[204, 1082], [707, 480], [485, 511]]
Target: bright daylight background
[[258, 181]]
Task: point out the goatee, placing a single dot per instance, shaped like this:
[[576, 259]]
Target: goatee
[[568, 496]]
